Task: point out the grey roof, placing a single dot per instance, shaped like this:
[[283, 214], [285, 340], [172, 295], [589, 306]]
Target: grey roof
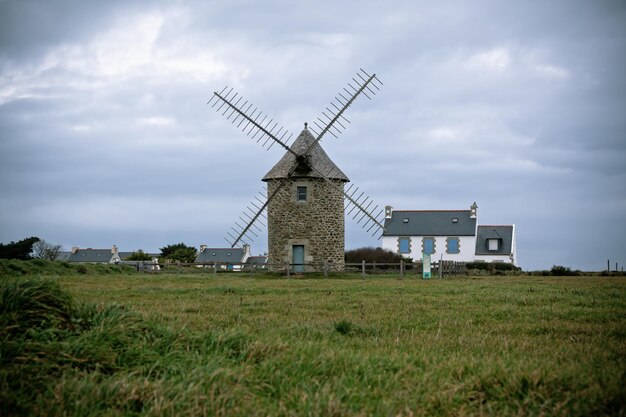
[[63, 256], [504, 233], [256, 260], [223, 255], [430, 223], [91, 255], [319, 161]]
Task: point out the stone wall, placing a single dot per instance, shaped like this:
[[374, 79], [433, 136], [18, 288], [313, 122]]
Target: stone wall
[[318, 223]]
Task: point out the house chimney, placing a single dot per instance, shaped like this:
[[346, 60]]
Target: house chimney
[[388, 212], [473, 211], [246, 252], [114, 249], [202, 248], [74, 249]]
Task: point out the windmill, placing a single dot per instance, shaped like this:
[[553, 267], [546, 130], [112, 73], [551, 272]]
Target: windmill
[[303, 206]]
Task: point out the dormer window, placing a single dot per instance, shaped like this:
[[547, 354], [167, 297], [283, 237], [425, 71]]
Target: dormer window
[[493, 244], [455, 220], [405, 220]]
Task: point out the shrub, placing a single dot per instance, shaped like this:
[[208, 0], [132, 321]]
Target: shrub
[[378, 255], [561, 271], [344, 327]]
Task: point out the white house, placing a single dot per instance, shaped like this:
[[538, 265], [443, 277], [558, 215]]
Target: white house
[[451, 235]]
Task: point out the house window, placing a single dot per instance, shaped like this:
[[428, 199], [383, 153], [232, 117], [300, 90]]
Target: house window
[[452, 245], [405, 220], [428, 245], [493, 244], [404, 245], [301, 194]]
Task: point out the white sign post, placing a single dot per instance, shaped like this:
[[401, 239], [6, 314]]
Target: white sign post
[[426, 266]]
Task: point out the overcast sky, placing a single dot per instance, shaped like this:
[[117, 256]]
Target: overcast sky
[[106, 137]]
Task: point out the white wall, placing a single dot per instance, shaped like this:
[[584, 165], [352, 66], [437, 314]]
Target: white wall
[[467, 248]]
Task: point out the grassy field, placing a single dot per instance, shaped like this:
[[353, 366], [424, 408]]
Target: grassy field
[[232, 345]]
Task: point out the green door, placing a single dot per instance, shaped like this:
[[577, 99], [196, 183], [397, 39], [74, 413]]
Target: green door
[[298, 258]]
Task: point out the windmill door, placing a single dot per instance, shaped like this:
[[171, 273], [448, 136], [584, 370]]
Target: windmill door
[[298, 258]]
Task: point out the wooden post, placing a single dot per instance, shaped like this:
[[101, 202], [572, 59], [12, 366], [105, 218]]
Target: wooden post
[[608, 265], [362, 269], [401, 268]]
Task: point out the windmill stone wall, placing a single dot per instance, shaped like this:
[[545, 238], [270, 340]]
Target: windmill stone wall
[[317, 224]]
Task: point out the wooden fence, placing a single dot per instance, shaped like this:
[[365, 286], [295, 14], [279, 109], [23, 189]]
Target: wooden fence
[[439, 269]]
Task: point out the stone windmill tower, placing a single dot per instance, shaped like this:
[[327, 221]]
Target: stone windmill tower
[[304, 205]]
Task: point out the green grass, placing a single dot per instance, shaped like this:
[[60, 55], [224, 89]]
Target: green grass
[[231, 345]]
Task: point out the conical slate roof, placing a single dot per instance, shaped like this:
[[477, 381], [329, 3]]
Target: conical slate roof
[[318, 158]]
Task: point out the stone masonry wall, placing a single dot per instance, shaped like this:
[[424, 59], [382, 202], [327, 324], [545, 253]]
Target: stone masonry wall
[[318, 224]]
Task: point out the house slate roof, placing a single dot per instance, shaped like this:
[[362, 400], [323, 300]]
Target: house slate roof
[[319, 161], [505, 233], [91, 255], [430, 223], [256, 260], [63, 256], [222, 255]]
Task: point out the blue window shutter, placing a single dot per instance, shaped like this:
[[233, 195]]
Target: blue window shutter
[[428, 246], [403, 245], [453, 245]]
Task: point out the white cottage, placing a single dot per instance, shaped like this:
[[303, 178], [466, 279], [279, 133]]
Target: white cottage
[[451, 235]]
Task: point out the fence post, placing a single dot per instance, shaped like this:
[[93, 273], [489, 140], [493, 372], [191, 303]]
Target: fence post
[[440, 268], [362, 269], [402, 268], [215, 269]]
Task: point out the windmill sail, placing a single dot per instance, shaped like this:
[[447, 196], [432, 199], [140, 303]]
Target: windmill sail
[[332, 120], [267, 133]]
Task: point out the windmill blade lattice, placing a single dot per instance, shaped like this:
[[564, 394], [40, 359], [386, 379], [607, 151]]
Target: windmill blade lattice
[[254, 122], [372, 218], [332, 119], [254, 219]]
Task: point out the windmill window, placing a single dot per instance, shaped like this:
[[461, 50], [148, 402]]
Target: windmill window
[[301, 194]]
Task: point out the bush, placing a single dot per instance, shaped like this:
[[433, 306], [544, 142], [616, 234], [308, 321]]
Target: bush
[[484, 266], [494, 268], [561, 271], [378, 255]]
